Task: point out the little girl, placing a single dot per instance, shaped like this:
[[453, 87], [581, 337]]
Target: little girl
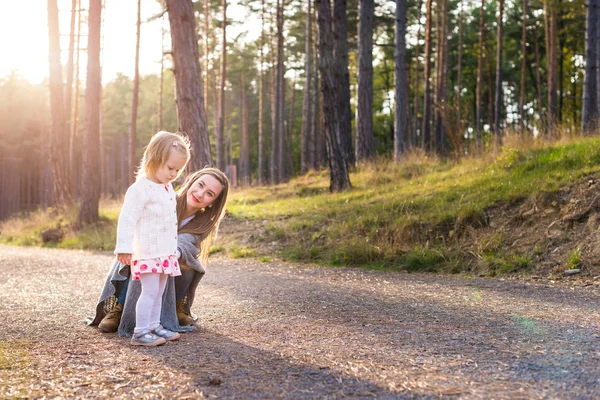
[[147, 232]]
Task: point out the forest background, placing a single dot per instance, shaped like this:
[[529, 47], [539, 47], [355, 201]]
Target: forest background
[[299, 86]]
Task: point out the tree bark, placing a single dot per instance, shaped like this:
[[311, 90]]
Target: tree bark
[[188, 80], [550, 26], [340, 54], [162, 77], [207, 51], [553, 81], [274, 109], [426, 131], [75, 119], [70, 64], [523, 70], [491, 86], [416, 126], [589, 112], [401, 117], [244, 150], [498, 108], [441, 142], [90, 190], [315, 131], [135, 98], [306, 110], [479, 78], [221, 122], [289, 165], [261, 97], [338, 168], [280, 102], [459, 74], [58, 142], [364, 110], [538, 74]]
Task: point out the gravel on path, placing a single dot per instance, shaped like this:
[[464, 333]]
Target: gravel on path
[[275, 330]]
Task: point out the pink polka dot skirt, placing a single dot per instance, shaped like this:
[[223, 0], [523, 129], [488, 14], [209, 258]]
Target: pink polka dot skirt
[[160, 265]]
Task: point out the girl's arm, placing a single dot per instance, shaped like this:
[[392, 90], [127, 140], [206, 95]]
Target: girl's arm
[[131, 212]]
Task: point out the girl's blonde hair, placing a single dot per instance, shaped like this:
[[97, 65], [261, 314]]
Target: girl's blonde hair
[[206, 222], [159, 149]]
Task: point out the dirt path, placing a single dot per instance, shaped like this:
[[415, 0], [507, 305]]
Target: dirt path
[[272, 330]]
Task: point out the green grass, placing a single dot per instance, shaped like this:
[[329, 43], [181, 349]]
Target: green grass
[[242, 252], [396, 216], [574, 259], [25, 230], [393, 211]]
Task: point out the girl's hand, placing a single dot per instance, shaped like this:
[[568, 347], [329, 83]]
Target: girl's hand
[[124, 258]]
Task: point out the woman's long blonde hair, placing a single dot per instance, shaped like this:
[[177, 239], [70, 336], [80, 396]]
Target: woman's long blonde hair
[[206, 222]]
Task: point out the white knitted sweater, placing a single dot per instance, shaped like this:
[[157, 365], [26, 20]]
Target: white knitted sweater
[[148, 221]]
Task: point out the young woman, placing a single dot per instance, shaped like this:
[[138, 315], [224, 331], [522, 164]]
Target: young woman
[[201, 202]]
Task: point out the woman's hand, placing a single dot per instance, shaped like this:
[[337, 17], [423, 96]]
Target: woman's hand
[[124, 258]]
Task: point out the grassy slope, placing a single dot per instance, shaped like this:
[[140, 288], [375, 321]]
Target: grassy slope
[[397, 216]]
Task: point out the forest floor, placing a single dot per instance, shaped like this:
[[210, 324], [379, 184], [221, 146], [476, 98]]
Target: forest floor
[[278, 330]]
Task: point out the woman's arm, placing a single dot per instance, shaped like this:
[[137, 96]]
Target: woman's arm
[[188, 248]]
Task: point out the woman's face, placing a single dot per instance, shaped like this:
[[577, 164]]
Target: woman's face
[[203, 192]]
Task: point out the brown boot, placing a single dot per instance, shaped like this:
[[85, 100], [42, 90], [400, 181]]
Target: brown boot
[[110, 323], [182, 315]]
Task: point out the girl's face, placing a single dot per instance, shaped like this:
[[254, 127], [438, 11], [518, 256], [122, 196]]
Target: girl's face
[[203, 192], [170, 170]]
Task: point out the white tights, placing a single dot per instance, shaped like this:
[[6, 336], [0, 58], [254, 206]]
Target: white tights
[[149, 304]]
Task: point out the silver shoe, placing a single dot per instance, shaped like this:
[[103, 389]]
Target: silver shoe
[[146, 338], [165, 333]]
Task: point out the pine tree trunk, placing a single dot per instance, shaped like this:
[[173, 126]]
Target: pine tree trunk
[[364, 110], [595, 125], [440, 115], [188, 80], [538, 74], [70, 64], [289, 166], [59, 136], [553, 73], [207, 52], [280, 102], [437, 57], [561, 70], [479, 78], [221, 122], [274, 110], [135, 99], [498, 108], [401, 92], [338, 171], [75, 120], [244, 151], [459, 74], [523, 70], [306, 109], [416, 126], [90, 191], [261, 89], [490, 84], [444, 146], [340, 54], [316, 132], [426, 130], [162, 77]]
